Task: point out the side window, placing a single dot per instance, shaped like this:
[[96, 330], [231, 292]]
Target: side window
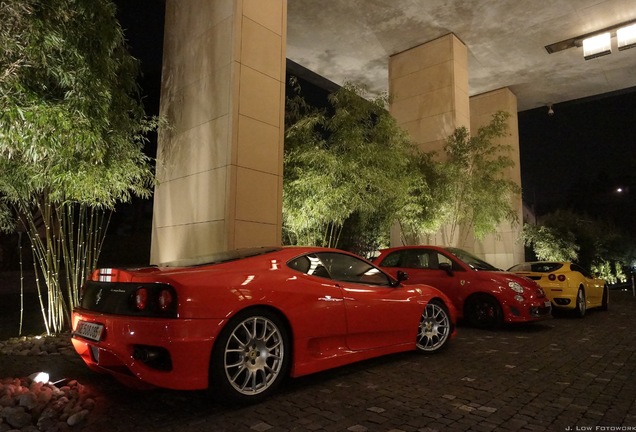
[[309, 264], [392, 260], [347, 268], [581, 270], [446, 260], [414, 259]]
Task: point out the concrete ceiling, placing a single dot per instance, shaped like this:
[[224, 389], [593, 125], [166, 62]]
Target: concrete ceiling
[[352, 40]]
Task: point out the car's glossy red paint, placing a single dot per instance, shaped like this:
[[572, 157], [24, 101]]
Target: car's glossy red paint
[[330, 322], [463, 283]]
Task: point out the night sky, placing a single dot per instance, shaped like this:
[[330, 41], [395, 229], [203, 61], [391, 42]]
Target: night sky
[[587, 142], [582, 153]]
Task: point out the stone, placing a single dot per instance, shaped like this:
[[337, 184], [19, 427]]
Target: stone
[[77, 418], [19, 418]]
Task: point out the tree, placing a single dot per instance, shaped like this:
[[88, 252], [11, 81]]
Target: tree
[[72, 131], [595, 244], [426, 207], [551, 243], [349, 164], [479, 197]]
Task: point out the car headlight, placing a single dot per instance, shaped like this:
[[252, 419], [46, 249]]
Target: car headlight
[[516, 287]]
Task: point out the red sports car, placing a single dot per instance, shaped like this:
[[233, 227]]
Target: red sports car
[[482, 294], [242, 321]]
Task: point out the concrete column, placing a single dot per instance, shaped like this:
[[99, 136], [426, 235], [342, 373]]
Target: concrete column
[[220, 161], [428, 86], [428, 89], [503, 248]]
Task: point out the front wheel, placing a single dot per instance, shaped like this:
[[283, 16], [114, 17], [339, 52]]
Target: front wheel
[[435, 328], [251, 357], [581, 306], [483, 311]]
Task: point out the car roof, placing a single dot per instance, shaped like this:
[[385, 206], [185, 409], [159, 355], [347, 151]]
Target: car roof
[[242, 253]]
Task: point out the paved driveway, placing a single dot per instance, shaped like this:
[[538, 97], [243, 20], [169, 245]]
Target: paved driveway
[[554, 375]]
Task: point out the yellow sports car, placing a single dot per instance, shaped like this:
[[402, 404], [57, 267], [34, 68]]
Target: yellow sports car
[[569, 286]]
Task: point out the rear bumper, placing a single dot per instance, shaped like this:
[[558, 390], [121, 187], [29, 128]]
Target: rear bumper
[[146, 352], [562, 299]]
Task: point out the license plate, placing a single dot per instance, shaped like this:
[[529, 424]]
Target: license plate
[[547, 304], [89, 330]]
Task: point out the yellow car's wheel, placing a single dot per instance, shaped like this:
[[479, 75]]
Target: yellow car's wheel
[[580, 308]]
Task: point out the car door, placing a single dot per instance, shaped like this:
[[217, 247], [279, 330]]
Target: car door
[[377, 313], [425, 266]]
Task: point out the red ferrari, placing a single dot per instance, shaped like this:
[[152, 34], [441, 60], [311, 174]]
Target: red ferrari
[[482, 294], [239, 322]]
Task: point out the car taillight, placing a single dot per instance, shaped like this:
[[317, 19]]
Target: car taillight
[[165, 300], [141, 298], [154, 300], [560, 278]]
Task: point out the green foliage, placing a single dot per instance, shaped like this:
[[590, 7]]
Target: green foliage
[[479, 197], [351, 161], [71, 124], [595, 244], [350, 167], [426, 207], [551, 243], [72, 127]]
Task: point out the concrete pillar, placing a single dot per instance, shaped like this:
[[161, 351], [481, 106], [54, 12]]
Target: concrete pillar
[[428, 89], [503, 248], [220, 161], [428, 86]]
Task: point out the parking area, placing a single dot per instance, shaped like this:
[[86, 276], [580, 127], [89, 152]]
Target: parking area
[[558, 375]]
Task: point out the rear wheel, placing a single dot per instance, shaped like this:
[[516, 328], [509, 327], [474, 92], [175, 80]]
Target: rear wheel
[[251, 357], [483, 311], [435, 327], [580, 308]]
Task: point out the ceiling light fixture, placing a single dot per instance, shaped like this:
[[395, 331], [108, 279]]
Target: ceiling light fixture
[[597, 46], [626, 37], [550, 110], [625, 33]]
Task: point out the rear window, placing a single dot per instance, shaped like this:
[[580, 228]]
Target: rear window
[[221, 257]]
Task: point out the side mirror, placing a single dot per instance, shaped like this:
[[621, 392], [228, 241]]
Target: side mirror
[[402, 276], [447, 268]]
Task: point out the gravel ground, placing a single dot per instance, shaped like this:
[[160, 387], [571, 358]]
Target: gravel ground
[[29, 404]]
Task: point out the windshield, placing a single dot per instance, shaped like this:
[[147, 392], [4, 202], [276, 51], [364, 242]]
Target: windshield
[[472, 261]]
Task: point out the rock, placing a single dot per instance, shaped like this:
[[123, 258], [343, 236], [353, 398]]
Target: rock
[[27, 400], [29, 406], [19, 418], [77, 418], [47, 420]]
